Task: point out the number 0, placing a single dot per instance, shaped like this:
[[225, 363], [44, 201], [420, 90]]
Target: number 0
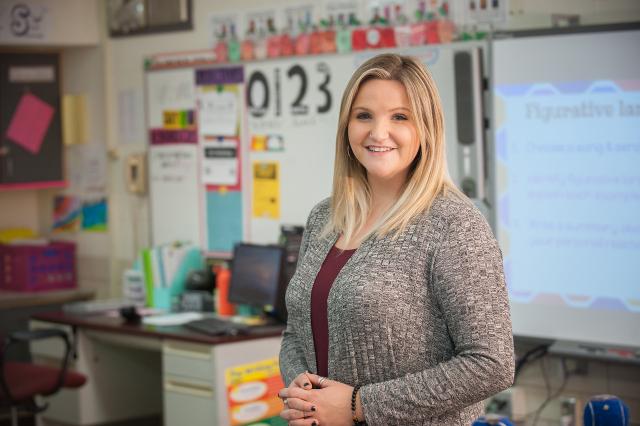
[[258, 78]]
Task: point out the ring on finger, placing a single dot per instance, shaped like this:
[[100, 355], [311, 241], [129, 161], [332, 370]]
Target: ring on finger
[[321, 380], [285, 402]]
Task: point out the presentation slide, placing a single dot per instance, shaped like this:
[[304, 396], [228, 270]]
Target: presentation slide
[[567, 141]]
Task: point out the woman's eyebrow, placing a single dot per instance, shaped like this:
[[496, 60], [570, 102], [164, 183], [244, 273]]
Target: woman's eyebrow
[[401, 108]]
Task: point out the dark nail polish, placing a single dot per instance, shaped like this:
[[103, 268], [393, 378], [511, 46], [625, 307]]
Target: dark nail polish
[[314, 424], [313, 408], [306, 384]]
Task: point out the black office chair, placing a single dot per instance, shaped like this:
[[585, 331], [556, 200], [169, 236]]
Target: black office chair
[[21, 382]]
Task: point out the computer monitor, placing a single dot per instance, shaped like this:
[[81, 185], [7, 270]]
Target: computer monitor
[[257, 277]]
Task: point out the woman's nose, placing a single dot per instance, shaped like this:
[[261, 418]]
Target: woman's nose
[[379, 131]]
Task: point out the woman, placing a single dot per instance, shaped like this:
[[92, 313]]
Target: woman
[[399, 295]]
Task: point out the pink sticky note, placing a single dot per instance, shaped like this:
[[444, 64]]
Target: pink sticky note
[[30, 122]]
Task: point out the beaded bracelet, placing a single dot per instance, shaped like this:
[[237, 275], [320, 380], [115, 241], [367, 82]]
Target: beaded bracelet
[[354, 394]]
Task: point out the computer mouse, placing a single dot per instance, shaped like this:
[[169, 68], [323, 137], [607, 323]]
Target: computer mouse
[[130, 315]]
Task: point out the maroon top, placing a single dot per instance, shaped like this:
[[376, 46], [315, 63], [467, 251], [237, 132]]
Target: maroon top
[[329, 270]]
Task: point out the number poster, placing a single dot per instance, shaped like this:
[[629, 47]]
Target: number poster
[[291, 113]]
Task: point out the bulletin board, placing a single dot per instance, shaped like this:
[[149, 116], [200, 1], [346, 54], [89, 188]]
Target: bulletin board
[[264, 142], [30, 125]]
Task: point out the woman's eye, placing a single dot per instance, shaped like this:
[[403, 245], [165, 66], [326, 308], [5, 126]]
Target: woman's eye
[[400, 117], [363, 116]]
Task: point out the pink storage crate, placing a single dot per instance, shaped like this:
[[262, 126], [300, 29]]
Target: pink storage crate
[[38, 267]]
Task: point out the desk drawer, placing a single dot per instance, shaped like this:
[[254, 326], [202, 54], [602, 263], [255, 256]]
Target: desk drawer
[[186, 399], [188, 360]]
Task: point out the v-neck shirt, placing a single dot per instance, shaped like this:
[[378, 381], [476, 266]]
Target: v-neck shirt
[[331, 267]]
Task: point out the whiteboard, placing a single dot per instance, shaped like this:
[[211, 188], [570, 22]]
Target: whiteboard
[[174, 190], [567, 151]]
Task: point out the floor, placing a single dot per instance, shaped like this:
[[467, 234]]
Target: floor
[[28, 420]]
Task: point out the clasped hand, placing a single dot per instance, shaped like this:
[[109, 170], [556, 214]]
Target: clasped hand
[[311, 401]]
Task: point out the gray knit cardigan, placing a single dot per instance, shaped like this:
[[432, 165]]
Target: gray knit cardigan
[[421, 322]]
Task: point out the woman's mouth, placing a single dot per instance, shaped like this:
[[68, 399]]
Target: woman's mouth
[[372, 148]]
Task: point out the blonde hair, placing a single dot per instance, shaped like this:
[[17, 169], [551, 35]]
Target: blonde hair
[[428, 176]]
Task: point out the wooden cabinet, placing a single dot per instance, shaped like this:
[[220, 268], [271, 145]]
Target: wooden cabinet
[[31, 154]]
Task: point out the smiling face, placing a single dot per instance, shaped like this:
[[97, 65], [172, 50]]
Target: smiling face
[[381, 130]]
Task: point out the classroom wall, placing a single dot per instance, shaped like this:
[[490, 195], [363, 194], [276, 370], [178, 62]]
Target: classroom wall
[[113, 68], [590, 11], [75, 31], [19, 210], [124, 74]]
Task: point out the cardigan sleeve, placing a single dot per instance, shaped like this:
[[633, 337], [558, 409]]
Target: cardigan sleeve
[[291, 358], [467, 279], [292, 362]]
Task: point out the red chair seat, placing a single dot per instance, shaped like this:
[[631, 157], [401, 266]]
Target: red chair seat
[[27, 380]]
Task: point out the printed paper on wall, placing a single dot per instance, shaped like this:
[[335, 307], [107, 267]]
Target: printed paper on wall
[[266, 189]]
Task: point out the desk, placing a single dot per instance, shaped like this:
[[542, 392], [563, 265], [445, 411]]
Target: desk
[[137, 371]]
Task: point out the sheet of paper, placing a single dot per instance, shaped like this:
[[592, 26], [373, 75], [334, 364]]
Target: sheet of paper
[[133, 287], [220, 25], [174, 193], [94, 215], [224, 220], [172, 257], [266, 189], [73, 168], [220, 162], [94, 170], [130, 116], [173, 319], [74, 120], [30, 122], [179, 119], [169, 90], [264, 377], [218, 110], [86, 170], [67, 214], [27, 22]]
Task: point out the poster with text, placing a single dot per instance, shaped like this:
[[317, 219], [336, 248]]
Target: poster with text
[[252, 393], [266, 189]]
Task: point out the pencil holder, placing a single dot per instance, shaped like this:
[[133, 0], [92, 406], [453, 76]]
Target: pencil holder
[[606, 410]]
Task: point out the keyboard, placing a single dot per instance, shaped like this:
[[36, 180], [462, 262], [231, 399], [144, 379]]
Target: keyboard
[[222, 327], [217, 327]]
